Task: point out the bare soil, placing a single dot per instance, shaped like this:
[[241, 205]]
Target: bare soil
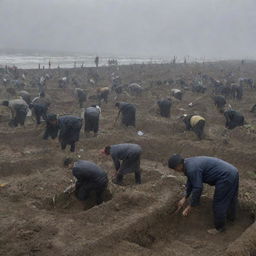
[[37, 219]]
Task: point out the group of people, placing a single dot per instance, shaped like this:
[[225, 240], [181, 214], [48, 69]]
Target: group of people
[[126, 157], [198, 170]]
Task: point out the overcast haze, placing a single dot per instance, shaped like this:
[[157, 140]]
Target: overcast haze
[[210, 28]]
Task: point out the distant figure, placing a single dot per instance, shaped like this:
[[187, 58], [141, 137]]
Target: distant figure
[[233, 119], [129, 154], [97, 61], [39, 66], [68, 127], [174, 60], [128, 112], [75, 64], [89, 178], [19, 110], [212, 171], [135, 89], [81, 96], [49, 64], [195, 123], [25, 96], [102, 94], [176, 93], [42, 99], [219, 102], [91, 120], [39, 110], [165, 107]]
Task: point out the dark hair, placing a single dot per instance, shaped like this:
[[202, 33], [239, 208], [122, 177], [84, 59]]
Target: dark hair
[[107, 150], [67, 161], [51, 117], [175, 160], [5, 103], [117, 104]]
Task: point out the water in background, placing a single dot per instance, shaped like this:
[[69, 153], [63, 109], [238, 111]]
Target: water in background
[[32, 61]]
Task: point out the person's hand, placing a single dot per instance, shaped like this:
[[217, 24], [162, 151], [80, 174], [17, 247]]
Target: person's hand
[[181, 202], [187, 211]]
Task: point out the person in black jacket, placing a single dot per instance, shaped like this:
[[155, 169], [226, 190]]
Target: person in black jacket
[[233, 119], [89, 178], [129, 154], [39, 110], [128, 112], [215, 172], [91, 120], [219, 102], [165, 107], [68, 127]]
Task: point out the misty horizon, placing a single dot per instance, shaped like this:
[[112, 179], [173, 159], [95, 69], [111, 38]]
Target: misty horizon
[[213, 29]]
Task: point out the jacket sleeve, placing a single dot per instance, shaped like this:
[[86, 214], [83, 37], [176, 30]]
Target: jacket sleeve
[[196, 187], [63, 129], [46, 134]]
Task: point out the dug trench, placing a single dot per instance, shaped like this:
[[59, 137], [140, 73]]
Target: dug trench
[[133, 220]]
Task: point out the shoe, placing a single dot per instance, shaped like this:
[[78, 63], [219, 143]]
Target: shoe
[[214, 231]]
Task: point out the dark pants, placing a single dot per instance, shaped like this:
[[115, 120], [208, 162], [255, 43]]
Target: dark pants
[[91, 123], [225, 202], [83, 190], [131, 164], [72, 146], [165, 110], [19, 118], [40, 111], [128, 117], [70, 137], [199, 129]]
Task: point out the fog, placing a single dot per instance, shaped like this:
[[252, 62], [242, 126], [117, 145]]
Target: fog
[[199, 28]]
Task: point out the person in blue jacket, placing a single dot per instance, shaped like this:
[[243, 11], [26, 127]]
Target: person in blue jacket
[[215, 172], [130, 155], [89, 177], [68, 128]]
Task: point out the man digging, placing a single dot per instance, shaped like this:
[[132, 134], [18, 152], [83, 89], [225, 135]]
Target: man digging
[[215, 172]]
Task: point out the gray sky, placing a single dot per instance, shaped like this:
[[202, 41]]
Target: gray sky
[[211, 28]]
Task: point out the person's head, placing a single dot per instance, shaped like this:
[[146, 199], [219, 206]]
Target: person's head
[[68, 162], [176, 162], [117, 105], [52, 119], [106, 150], [5, 103]]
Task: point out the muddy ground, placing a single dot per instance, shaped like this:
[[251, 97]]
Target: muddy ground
[[37, 219]]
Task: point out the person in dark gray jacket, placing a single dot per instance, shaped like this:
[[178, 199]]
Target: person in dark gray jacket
[[19, 110], [68, 128], [219, 102], [81, 96], [128, 112], [89, 178], [25, 96], [130, 155], [165, 107], [215, 172], [233, 119], [91, 120]]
